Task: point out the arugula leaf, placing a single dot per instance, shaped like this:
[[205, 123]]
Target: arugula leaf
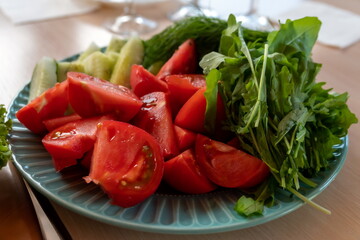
[[211, 61], [5, 128], [211, 93], [247, 206], [295, 35]]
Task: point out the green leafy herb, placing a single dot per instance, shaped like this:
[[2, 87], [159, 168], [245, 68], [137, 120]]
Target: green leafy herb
[[5, 127], [274, 106], [247, 206], [206, 32]]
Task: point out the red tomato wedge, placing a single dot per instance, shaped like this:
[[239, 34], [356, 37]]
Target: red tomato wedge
[[183, 61], [143, 82], [183, 174], [185, 138], [53, 123], [227, 166], [192, 114], [90, 96], [182, 87], [50, 104], [127, 163], [155, 118], [72, 140], [61, 163]]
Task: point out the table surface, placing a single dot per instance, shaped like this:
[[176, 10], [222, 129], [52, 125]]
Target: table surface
[[23, 45]]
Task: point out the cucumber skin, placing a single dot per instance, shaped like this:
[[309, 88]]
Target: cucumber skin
[[44, 77], [99, 65], [131, 53], [115, 45], [91, 49], [64, 67]]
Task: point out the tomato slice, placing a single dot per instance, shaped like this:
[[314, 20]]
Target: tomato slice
[[185, 138], [182, 87], [227, 166], [127, 163], [50, 104], [155, 118], [192, 115], [54, 123], [143, 82], [70, 141], [183, 61], [183, 174], [90, 96]]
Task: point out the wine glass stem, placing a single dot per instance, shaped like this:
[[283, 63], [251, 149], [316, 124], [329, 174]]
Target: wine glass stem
[[129, 8], [253, 7]]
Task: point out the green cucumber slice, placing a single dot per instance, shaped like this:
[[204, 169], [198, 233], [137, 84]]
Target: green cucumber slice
[[44, 77], [131, 53]]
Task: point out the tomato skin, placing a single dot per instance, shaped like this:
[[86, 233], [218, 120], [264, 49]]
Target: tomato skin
[[155, 118], [143, 82], [127, 163], [70, 141], [54, 123], [61, 163], [183, 174], [90, 96], [50, 104], [227, 166], [185, 138], [182, 87], [234, 142], [183, 61], [192, 114]]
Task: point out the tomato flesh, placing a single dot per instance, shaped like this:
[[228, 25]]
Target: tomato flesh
[[192, 114], [185, 138], [183, 174], [127, 163], [90, 96], [183, 61], [50, 104], [54, 123], [143, 82], [70, 141], [155, 118], [227, 166], [182, 87]]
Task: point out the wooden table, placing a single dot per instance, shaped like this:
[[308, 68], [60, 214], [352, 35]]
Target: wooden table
[[22, 46]]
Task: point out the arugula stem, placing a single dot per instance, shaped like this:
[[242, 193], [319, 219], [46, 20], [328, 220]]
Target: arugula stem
[[308, 201], [295, 169], [292, 139], [307, 181], [261, 91], [287, 144], [246, 52], [254, 139]]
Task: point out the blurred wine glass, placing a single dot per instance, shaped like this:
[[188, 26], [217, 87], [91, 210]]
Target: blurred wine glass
[[130, 22], [253, 20], [191, 8]]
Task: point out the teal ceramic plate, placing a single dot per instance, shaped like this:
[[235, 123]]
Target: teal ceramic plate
[[164, 212]]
